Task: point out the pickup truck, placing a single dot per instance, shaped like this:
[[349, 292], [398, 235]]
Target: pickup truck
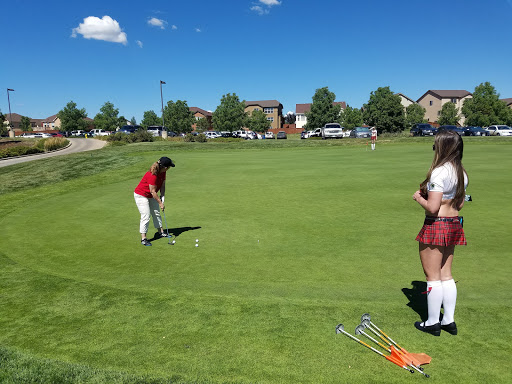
[[328, 131]]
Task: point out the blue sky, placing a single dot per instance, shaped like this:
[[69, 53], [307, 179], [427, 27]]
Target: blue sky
[[118, 51]]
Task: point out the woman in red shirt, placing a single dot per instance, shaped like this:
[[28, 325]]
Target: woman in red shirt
[[147, 200]]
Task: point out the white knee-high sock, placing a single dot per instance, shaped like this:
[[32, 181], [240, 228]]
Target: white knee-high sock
[[434, 301], [449, 300]]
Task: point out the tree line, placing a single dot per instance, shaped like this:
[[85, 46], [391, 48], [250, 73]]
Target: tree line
[[385, 111]]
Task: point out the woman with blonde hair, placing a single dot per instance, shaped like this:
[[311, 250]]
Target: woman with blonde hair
[[442, 195], [148, 201]]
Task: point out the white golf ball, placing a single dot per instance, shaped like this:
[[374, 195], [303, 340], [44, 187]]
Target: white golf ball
[[197, 240], [173, 242], [197, 245]]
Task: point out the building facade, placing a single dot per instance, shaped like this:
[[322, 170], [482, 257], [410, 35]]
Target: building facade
[[272, 108], [301, 109], [433, 101]]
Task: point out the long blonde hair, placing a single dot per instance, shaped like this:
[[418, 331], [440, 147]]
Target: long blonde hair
[[448, 148], [155, 168]]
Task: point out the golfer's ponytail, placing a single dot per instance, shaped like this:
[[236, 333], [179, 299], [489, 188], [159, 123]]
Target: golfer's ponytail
[[155, 168]]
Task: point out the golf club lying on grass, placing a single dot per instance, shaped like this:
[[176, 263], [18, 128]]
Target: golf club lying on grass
[[393, 359], [417, 359], [394, 352]]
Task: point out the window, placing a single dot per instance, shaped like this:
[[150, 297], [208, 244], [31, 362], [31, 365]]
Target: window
[[431, 103], [268, 110], [256, 109], [271, 119], [454, 101]]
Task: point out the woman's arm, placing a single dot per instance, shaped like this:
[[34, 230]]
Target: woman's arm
[[152, 190], [433, 204]]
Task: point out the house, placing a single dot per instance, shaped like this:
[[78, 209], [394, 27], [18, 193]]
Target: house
[[272, 108], [301, 109], [201, 114], [52, 122], [406, 101], [433, 101], [508, 102]]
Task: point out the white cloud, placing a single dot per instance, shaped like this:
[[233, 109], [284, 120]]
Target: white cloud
[[139, 43], [263, 6], [106, 29], [157, 22], [174, 27], [259, 10], [197, 30]]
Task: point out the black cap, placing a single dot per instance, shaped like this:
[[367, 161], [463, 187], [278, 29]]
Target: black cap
[[166, 162]]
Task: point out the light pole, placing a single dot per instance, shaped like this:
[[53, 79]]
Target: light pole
[[10, 116], [162, 98]]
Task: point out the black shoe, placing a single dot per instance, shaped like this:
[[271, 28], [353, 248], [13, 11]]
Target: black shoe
[[145, 242], [432, 329], [450, 328]]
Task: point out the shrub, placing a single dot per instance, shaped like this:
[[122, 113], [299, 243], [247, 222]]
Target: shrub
[[200, 138], [116, 143], [19, 151], [54, 143], [188, 138]]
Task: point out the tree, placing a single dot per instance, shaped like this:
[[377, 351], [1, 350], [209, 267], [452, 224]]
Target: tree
[[449, 114], [485, 108], [230, 114], [323, 110], [107, 118], [384, 110], [414, 114], [71, 118], [25, 124], [133, 121], [3, 125], [150, 118], [258, 122], [289, 118], [351, 118], [203, 125], [178, 116]]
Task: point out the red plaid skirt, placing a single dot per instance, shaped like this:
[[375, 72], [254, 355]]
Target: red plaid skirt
[[442, 233]]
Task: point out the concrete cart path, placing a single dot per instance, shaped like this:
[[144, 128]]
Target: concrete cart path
[[77, 145]]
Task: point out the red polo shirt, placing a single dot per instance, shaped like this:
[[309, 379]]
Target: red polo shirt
[[147, 180]]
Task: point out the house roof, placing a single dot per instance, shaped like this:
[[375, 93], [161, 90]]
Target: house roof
[[447, 94], [199, 110], [264, 103], [15, 117], [507, 101], [303, 108], [50, 119], [405, 97]]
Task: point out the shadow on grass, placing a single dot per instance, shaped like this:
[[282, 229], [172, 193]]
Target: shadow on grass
[[417, 298], [177, 231]]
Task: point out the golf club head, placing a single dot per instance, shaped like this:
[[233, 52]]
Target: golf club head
[[339, 328], [359, 329], [365, 323], [366, 316]]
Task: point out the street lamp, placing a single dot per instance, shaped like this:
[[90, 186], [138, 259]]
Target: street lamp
[[162, 98], [9, 102]]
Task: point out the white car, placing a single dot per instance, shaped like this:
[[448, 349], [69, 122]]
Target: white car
[[212, 134], [77, 133], [269, 135], [32, 135], [499, 130], [98, 132], [155, 130], [332, 131]]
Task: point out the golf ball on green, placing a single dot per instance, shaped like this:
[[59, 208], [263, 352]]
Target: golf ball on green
[[197, 245]]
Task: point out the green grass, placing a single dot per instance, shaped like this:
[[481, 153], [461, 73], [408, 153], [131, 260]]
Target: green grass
[[295, 237]]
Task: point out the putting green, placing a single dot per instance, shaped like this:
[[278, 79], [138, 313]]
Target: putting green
[[291, 242]]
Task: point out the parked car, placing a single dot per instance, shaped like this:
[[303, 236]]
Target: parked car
[[212, 134], [226, 134], [499, 130], [56, 134], [360, 132], [156, 130], [332, 131], [98, 132], [129, 129], [281, 135], [77, 133], [423, 129], [475, 131], [32, 135], [269, 135], [453, 128]]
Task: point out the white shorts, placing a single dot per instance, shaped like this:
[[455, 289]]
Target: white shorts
[[148, 207]]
